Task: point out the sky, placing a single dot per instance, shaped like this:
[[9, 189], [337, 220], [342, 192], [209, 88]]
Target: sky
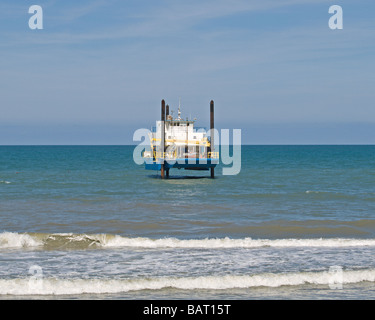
[[99, 69]]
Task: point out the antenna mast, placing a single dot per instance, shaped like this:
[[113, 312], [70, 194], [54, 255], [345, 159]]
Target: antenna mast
[[179, 109]]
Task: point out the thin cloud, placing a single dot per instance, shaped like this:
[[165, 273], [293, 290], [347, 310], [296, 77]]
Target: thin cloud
[[148, 21], [77, 11]]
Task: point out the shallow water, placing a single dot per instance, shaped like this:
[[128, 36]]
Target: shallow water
[[87, 222]]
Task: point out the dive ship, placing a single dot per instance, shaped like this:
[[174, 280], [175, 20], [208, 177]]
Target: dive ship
[[177, 143]]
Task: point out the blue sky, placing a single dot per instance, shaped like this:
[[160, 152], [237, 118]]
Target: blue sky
[[99, 69]]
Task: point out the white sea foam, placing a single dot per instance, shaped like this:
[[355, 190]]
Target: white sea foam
[[53, 286], [118, 241], [18, 240], [6, 182], [81, 241]]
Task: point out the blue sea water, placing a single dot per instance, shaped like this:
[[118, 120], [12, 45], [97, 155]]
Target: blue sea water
[[86, 222]]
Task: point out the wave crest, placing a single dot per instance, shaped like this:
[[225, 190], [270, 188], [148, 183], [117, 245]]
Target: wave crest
[[84, 241], [52, 286]]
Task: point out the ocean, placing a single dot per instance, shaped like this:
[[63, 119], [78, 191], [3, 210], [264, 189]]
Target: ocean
[[86, 222]]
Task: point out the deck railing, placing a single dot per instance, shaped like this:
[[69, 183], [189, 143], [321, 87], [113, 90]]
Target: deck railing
[[157, 155], [213, 155]]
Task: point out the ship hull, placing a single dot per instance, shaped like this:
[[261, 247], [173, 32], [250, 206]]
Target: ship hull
[[185, 163]]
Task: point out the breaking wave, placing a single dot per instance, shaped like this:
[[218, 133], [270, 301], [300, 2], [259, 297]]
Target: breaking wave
[[53, 286], [83, 241]]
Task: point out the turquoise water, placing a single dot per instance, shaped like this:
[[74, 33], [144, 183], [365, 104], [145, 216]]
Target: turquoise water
[[87, 222]]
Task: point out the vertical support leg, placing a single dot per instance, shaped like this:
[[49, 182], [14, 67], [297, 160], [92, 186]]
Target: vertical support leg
[[162, 145], [212, 142]]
